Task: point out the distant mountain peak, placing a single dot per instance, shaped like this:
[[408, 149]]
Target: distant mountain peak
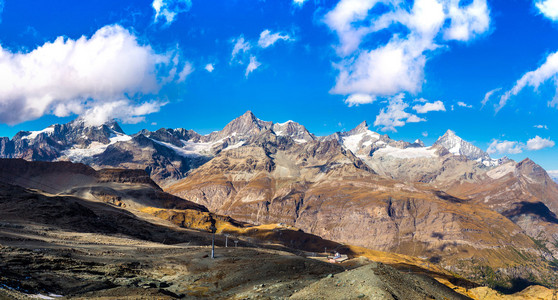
[[450, 132], [248, 115], [457, 146], [362, 127], [294, 130], [245, 125], [81, 123]]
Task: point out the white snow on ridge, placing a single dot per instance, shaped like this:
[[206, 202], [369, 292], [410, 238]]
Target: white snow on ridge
[[79, 154], [237, 145], [352, 142], [407, 152], [285, 123], [34, 134], [189, 149]]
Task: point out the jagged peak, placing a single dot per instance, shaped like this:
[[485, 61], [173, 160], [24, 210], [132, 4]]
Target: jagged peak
[[449, 134], [81, 122], [363, 126], [527, 161], [248, 115]]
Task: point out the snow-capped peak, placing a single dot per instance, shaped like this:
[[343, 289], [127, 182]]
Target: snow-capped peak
[[457, 146], [33, 134], [358, 138]]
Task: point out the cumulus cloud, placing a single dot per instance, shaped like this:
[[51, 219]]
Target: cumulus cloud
[[395, 115], [209, 68], [253, 65], [356, 99], [541, 126], [463, 104], [124, 110], [504, 147], [546, 72], [467, 22], [428, 107], [167, 10], [240, 45], [549, 8], [268, 39], [513, 147], [397, 65], [68, 76], [538, 143]]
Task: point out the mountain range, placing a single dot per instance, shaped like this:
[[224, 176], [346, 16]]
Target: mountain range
[[450, 202]]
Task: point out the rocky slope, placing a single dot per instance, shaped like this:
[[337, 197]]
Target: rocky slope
[[324, 189]]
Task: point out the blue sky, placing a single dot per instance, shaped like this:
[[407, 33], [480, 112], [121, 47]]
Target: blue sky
[[412, 69]]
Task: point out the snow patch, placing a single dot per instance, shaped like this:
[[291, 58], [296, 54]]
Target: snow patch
[[190, 148], [80, 154], [353, 142], [407, 152], [300, 141], [237, 145], [34, 134], [285, 123]]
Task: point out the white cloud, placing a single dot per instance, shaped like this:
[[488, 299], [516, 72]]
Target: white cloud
[[397, 65], [547, 71], [488, 95], [169, 9], [299, 2], [463, 104], [538, 143], [541, 126], [240, 45], [356, 99], [123, 110], [395, 115], [553, 174], [504, 147], [467, 22], [209, 68], [512, 147], [425, 133], [268, 39], [549, 8], [186, 70], [428, 107], [253, 65], [67, 76]]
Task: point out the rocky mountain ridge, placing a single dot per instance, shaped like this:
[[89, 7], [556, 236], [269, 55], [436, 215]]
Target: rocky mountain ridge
[[449, 202], [172, 153]]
